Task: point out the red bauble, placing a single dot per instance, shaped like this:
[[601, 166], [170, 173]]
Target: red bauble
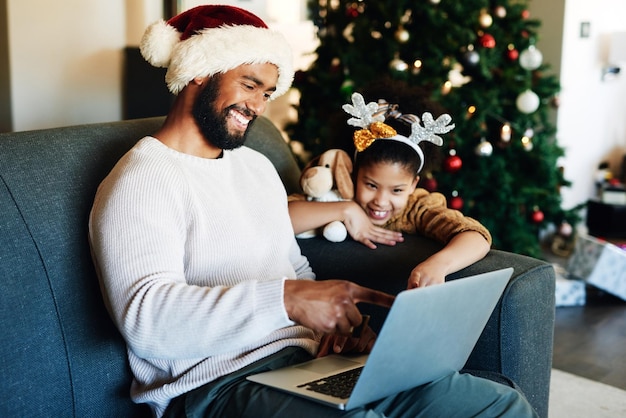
[[537, 216], [487, 41], [512, 54], [452, 164], [352, 11], [455, 202], [429, 183]]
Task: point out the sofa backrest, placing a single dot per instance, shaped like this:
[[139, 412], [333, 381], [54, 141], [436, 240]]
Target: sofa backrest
[[61, 355]]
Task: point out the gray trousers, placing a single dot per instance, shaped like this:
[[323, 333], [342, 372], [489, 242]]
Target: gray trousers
[[455, 395]]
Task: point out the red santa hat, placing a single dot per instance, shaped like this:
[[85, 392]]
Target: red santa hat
[[207, 40]]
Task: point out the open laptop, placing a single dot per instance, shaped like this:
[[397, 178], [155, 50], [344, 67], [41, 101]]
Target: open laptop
[[428, 333]]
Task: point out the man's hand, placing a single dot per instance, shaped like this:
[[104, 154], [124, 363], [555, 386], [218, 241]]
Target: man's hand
[[360, 341], [329, 306]]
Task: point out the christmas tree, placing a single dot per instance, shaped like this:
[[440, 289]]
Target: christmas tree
[[475, 60]]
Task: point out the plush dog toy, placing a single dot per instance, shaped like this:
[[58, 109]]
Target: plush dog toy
[[327, 179]]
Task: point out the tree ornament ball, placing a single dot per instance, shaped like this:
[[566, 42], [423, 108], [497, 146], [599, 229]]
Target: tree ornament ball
[[402, 35], [530, 58], [484, 149], [487, 41], [398, 65], [527, 102], [565, 229], [430, 183], [512, 54], [537, 216], [435, 1], [471, 58], [352, 11], [485, 19], [455, 202], [453, 163], [500, 11]]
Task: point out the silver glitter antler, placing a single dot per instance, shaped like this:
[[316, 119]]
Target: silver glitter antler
[[363, 115], [431, 128]]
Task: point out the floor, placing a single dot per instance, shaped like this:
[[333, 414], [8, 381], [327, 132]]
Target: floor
[[590, 340]]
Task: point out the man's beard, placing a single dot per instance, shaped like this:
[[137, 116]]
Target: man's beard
[[213, 124]]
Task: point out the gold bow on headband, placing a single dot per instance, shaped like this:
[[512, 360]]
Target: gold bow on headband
[[363, 138]]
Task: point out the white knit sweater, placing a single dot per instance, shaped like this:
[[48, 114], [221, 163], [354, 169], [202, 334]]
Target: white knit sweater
[[192, 254]]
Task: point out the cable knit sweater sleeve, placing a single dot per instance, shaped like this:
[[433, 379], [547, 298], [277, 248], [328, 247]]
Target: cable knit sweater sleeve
[[427, 214]]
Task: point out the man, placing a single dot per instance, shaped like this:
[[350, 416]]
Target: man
[[202, 290]]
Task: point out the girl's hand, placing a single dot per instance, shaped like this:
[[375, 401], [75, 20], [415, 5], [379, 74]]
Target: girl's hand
[[362, 230], [427, 274]]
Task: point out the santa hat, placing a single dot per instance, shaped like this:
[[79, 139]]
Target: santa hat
[[207, 40]]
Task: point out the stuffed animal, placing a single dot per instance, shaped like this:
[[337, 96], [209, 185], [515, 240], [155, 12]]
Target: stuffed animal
[[327, 179]]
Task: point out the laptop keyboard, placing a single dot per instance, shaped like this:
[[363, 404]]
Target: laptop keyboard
[[339, 385]]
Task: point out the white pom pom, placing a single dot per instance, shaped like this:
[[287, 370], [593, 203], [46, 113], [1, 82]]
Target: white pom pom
[[335, 232], [158, 42]]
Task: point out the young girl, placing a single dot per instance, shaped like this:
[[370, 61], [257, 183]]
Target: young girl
[[387, 201]]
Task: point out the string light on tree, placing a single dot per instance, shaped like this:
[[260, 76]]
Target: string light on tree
[[505, 132], [527, 139], [470, 111], [417, 67]]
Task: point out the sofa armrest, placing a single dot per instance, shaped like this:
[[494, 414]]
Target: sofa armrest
[[517, 340]]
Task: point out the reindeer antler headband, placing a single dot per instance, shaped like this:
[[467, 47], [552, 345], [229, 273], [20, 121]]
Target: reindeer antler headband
[[369, 117]]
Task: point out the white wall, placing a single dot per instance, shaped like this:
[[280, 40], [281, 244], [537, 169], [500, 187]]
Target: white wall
[[65, 61], [592, 115]]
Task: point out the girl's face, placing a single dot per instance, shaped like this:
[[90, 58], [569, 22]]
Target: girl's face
[[383, 190]]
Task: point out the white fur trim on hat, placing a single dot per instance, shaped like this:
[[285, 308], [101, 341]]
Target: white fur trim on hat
[[216, 50]]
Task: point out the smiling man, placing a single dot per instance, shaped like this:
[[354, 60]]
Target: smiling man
[[201, 290]]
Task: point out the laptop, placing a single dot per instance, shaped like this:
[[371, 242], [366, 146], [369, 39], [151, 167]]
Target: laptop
[[429, 333]]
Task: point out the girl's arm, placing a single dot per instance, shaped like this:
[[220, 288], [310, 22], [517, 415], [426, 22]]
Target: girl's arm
[[306, 215], [464, 249]]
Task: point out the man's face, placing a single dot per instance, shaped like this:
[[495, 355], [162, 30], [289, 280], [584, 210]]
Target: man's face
[[230, 101]]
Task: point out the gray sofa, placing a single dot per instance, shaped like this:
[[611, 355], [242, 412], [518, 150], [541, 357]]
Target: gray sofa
[[62, 357]]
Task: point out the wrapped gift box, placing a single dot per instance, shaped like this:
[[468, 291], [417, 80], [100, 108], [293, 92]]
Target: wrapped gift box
[[599, 263], [570, 292]]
